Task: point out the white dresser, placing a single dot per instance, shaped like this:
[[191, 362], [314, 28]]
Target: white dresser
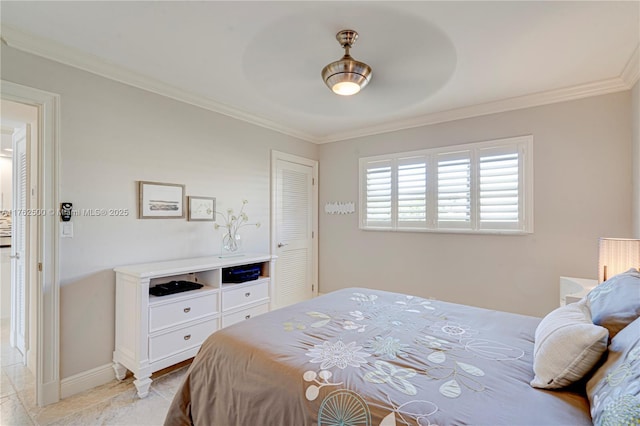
[[155, 332]]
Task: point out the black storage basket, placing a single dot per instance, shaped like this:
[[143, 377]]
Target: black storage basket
[[240, 274]]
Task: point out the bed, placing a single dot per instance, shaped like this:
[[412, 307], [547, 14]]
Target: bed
[[367, 357]]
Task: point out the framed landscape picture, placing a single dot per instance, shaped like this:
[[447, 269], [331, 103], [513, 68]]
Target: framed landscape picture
[[201, 208], [160, 200]]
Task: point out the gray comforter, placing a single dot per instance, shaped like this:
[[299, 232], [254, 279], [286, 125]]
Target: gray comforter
[[367, 357]]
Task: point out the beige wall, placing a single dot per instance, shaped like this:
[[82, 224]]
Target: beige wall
[[113, 135], [635, 119], [582, 184]]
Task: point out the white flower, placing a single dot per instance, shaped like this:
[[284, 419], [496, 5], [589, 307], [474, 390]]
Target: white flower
[[350, 325], [359, 316], [337, 355], [396, 377], [359, 297], [452, 329], [388, 346], [233, 223], [433, 342]]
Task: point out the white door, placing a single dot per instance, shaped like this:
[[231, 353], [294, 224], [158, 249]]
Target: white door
[[19, 289], [295, 228]]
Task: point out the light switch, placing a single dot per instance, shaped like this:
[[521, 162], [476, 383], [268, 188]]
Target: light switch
[[66, 229]]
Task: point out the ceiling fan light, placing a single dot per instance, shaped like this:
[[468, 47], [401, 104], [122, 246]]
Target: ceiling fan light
[[344, 79], [346, 88], [346, 76]]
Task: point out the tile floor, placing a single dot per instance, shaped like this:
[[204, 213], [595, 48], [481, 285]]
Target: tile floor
[[114, 403]]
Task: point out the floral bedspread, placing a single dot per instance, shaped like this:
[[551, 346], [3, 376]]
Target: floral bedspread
[[367, 357]]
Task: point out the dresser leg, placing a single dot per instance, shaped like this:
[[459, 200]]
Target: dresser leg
[[142, 384], [120, 370]]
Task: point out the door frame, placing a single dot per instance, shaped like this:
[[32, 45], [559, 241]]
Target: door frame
[[48, 279], [275, 156]]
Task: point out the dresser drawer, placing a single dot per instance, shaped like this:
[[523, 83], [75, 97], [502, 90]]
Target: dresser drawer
[[236, 297], [167, 344], [244, 314], [182, 310]]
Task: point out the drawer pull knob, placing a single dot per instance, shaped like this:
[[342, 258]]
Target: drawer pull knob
[[187, 337], [247, 317], [247, 294], [187, 310]]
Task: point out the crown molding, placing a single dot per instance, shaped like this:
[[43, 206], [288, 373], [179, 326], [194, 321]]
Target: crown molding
[[69, 56], [91, 63], [511, 104]]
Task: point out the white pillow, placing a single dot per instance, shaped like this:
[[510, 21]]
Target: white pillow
[[567, 346]]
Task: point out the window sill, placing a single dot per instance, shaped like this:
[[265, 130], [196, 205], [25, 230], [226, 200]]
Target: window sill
[[453, 231]]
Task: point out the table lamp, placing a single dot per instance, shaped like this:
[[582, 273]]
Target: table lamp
[[617, 255]]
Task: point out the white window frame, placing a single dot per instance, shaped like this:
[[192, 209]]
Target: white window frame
[[524, 225]]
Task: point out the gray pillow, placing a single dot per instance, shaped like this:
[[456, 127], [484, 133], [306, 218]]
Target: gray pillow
[[614, 389], [616, 302]]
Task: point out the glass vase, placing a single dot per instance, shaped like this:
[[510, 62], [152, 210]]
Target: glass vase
[[231, 245]]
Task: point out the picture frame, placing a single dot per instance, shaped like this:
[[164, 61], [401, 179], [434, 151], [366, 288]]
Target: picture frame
[[201, 209], [157, 200]]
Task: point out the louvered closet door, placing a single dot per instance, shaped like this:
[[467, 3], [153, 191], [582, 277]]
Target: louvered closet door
[[294, 226], [18, 242]]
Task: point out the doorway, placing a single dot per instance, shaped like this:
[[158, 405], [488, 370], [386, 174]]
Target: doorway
[[18, 164], [41, 237], [294, 227]]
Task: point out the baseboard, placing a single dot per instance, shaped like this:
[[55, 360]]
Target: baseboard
[[86, 380], [49, 393]]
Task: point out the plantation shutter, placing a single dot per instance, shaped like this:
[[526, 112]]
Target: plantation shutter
[[499, 190], [412, 192], [454, 190], [483, 187], [378, 198]]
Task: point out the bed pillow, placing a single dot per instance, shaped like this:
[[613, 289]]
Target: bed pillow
[[616, 302], [567, 346], [614, 389]]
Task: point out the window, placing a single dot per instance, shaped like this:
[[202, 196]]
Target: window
[[480, 187]]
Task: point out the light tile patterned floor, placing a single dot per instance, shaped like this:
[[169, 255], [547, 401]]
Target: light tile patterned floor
[[114, 403]]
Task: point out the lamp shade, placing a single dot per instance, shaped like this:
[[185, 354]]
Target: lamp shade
[[617, 255]]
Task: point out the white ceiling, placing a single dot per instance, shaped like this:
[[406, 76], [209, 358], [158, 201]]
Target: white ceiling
[[261, 61]]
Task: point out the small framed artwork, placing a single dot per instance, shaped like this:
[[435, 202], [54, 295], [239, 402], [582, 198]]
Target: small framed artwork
[[160, 200], [201, 208]]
